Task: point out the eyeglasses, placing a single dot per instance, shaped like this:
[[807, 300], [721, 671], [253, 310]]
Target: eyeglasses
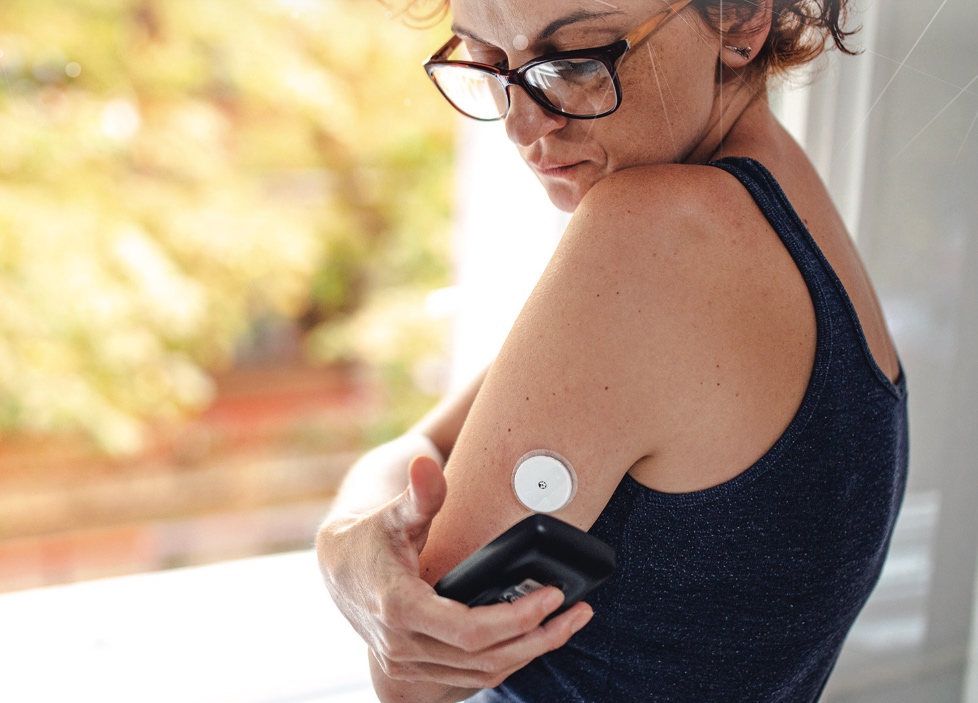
[[581, 84]]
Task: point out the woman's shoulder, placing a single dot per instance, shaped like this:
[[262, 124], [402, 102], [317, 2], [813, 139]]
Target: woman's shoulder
[[696, 220], [683, 191], [709, 312], [685, 207]]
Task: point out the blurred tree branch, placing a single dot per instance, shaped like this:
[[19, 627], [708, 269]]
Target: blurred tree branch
[[171, 172]]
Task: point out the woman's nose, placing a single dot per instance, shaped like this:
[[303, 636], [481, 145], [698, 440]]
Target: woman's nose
[[527, 121]]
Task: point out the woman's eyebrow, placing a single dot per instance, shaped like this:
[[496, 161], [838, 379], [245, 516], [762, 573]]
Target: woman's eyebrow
[[460, 32], [550, 29], [578, 16]]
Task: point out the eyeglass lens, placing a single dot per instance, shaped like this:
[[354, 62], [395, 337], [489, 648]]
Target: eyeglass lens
[[476, 93], [577, 87]]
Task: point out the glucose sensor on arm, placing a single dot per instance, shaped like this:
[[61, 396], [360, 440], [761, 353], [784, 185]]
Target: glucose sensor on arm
[[538, 551], [544, 481]]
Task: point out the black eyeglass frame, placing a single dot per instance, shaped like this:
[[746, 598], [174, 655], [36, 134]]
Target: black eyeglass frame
[[609, 55]]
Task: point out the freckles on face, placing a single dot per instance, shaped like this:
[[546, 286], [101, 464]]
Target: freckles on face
[[667, 97], [669, 89], [665, 84], [502, 25], [561, 152]]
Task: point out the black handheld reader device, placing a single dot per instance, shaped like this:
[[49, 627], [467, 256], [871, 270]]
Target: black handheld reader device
[[536, 552]]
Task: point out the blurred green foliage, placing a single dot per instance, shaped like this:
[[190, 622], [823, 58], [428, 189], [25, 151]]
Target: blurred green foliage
[[172, 171]]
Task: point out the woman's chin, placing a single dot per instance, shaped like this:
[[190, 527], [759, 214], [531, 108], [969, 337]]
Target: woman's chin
[[565, 196]]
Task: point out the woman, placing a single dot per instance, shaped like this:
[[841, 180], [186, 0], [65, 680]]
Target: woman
[[706, 350]]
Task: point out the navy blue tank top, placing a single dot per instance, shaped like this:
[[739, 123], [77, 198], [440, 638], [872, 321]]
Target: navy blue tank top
[[744, 592]]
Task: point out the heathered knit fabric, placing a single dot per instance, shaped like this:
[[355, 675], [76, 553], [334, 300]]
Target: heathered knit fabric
[[745, 591]]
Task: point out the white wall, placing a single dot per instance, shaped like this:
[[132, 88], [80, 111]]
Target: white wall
[[505, 233]]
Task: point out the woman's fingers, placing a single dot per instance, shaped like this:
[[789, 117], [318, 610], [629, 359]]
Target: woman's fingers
[[424, 659], [417, 635], [476, 629], [415, 614]]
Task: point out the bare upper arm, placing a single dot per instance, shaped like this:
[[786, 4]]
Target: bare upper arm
[[592, 362]]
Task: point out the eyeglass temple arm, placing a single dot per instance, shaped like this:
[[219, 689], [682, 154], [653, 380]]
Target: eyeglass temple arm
[[653, 22], [446, 51]]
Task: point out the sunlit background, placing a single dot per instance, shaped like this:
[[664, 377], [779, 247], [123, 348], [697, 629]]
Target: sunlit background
[[219, 222], [241, 241]]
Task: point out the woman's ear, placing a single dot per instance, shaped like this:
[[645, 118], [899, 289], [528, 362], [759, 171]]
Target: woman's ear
[[744, 33]]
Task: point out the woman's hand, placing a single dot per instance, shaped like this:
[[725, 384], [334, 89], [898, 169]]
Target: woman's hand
[[417, 638]]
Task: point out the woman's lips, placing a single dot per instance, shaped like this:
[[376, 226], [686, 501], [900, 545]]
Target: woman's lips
[[555, 170]]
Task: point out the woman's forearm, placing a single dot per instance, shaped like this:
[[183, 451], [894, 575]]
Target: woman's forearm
[[380, 475]]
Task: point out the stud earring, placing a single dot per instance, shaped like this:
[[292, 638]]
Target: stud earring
[[741, 51]]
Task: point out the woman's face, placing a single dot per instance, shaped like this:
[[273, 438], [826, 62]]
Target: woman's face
[[668, 86]]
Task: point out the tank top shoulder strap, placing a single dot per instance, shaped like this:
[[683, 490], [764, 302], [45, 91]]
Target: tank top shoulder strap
[[774, 205], [834, 312]]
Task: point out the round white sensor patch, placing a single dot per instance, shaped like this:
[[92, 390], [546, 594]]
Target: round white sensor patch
[[544, 481]]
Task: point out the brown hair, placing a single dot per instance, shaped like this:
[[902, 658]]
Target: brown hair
[[800, 29]]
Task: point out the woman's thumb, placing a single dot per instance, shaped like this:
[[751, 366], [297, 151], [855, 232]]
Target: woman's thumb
[[427, 489]]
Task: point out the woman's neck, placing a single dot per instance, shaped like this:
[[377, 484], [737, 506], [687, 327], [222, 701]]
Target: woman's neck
[[740, 108]]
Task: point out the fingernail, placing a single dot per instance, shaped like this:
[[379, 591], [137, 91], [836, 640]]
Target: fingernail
[[582, 620]]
